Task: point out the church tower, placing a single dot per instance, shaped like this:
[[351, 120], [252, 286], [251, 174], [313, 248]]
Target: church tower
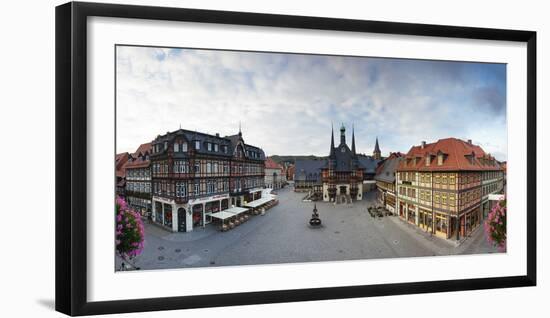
[[376, 154]]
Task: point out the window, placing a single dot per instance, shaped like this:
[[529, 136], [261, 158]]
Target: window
[[184, 147], [439, 159], [210, 187], [209, 146], [208, 167], [197, 167], [181, 189], [197, 188], [216, 147], [197, 144], [176, 147], [452, 199]]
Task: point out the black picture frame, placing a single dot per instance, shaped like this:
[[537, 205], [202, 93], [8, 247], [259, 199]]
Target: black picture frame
[[71, 157]]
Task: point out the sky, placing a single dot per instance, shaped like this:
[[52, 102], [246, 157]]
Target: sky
[[286, 103]]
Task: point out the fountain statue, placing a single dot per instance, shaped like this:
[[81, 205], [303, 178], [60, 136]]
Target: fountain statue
[[315, 221]]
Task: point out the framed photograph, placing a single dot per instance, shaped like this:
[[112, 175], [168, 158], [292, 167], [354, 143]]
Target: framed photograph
[[213, 158]]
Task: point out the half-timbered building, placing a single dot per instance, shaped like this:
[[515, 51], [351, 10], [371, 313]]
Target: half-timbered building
[[196, 174], [441, 186], [138, 180]]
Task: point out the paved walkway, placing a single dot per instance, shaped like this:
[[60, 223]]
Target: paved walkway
[[282, 235]]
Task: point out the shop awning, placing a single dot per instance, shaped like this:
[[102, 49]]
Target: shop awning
[[257, 203], [222, 215], [235, 210]]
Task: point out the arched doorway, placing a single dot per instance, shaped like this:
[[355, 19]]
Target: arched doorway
[[181, 220]]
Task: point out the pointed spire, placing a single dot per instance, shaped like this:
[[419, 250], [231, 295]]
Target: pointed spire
[[240, 132], [332, 140], [376, 153], [353, 139]]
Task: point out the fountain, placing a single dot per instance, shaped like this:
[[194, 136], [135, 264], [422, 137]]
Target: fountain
[[315, 221]]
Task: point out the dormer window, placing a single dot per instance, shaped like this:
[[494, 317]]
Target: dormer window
[[439, 159], [184, 147], [176, 147], [428, 159], [216, 147], [343, 149], [197, 144], [209, 146]]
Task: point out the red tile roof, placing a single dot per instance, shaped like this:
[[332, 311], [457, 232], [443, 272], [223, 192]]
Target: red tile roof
[[138, 157], [142, 149], [457, 155], [121, 159], [271, 164], [137, 163]]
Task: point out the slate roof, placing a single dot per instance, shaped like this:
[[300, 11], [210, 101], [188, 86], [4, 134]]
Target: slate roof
[[309, 170], [387, 169], [344, 159], [459, 155], [368, 163], [230, 142], [234, 139]]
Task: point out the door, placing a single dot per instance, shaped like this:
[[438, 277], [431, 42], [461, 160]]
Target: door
[[343, 190], [181, 220]]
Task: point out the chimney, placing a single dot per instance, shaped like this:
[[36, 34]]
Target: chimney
[[423, 144], [217, 134], [470, 141]]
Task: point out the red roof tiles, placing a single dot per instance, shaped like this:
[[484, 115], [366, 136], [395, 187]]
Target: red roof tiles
[[271, 164], [139, 156], [120, 163], [457, 155], [142, 149]]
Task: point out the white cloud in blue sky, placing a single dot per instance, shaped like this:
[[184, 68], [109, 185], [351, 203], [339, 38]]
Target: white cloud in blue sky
[[287, 102]]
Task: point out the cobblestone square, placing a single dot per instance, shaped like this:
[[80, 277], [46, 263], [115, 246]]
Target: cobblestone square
[[282, 235]]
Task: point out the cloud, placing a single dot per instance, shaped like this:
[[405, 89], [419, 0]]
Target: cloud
[[287, 102]]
